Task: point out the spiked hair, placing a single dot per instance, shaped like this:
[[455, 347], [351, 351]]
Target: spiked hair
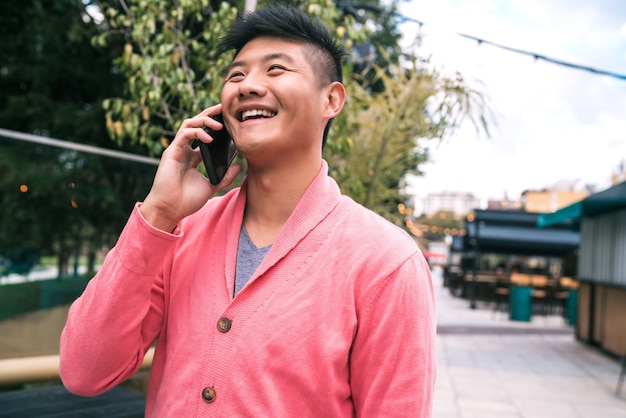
[[290, 24]]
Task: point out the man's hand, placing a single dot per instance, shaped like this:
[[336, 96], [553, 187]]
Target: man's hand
[[179, 189]]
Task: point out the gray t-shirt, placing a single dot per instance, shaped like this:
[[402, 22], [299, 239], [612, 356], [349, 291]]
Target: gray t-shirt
[[249, 258]]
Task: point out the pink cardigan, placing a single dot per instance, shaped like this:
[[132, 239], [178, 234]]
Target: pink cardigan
[[338, 320]]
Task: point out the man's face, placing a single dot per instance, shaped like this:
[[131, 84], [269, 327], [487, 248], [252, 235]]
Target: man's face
[[272, 102]]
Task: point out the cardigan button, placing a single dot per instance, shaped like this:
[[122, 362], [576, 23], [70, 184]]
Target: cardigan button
[[208, 394], [224, 324]]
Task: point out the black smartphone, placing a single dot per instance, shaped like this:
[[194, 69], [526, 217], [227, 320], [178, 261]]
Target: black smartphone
[[218, 154]]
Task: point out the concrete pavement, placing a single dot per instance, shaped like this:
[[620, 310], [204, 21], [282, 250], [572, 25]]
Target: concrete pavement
[[490, 366]]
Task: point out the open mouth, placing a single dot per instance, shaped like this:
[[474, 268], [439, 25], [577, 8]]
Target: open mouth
[[256, 114]]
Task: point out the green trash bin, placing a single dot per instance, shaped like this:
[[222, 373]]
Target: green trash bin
[[572, 306], [520, 303]]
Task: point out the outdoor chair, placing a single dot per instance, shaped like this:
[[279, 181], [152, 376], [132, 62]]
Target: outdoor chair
[[501, 295], [540, 301]]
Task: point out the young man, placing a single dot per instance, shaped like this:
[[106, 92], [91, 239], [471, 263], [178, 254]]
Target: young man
[[282, 298]]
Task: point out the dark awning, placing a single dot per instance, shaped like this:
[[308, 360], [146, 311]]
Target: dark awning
[[606, 201], [519, 240], [516, 233]]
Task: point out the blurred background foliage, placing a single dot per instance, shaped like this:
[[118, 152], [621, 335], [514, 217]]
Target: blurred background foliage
[[123, 74]]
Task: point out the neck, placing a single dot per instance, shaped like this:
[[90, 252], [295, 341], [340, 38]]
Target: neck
[[272, 196]]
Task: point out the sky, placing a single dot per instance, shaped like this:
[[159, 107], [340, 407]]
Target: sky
[[553, 124]]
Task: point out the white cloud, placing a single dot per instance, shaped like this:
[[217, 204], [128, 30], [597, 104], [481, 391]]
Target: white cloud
[[554, 122]]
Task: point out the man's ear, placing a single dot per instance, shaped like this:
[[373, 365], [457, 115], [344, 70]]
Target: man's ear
[[335, 98]]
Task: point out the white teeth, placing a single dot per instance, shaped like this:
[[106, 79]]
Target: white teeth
[[257, 112]]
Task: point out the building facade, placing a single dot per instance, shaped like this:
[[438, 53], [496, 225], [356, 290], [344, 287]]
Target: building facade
[[459, 203], [550, 200]]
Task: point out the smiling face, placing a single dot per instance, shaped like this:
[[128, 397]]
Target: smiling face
[[273, 102]]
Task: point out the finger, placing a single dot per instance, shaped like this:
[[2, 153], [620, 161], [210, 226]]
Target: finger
[[202, 135], [211, 111], [186, 135], [196, 128], [192, 128], [208, 115]]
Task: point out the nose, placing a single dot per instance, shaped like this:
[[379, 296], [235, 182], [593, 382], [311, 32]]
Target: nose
[[252, 85]]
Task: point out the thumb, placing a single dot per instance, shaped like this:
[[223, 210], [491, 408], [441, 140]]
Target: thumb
[[230, 176]]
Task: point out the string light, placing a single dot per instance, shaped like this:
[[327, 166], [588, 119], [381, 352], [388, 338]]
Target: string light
[[539, 57], [349, 8]]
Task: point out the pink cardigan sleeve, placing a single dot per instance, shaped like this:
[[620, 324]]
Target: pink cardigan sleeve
[[119, 315], [394, 358]]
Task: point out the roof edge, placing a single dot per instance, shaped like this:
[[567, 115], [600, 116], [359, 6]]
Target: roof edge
[[568, 214]]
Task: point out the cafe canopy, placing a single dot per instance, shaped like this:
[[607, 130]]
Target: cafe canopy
[[515, 233], [596, 204]]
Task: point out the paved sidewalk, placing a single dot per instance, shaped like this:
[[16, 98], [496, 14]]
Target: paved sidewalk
[[490, 366]]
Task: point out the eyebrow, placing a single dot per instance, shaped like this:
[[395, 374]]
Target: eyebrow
[[266, 58]]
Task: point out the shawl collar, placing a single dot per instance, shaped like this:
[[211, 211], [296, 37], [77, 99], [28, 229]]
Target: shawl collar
[[321, 197]]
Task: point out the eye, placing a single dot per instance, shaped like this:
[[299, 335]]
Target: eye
[[234, 75], [275, 68]]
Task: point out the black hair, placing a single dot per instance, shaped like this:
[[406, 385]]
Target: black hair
[[291, 24], [287, 23]]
